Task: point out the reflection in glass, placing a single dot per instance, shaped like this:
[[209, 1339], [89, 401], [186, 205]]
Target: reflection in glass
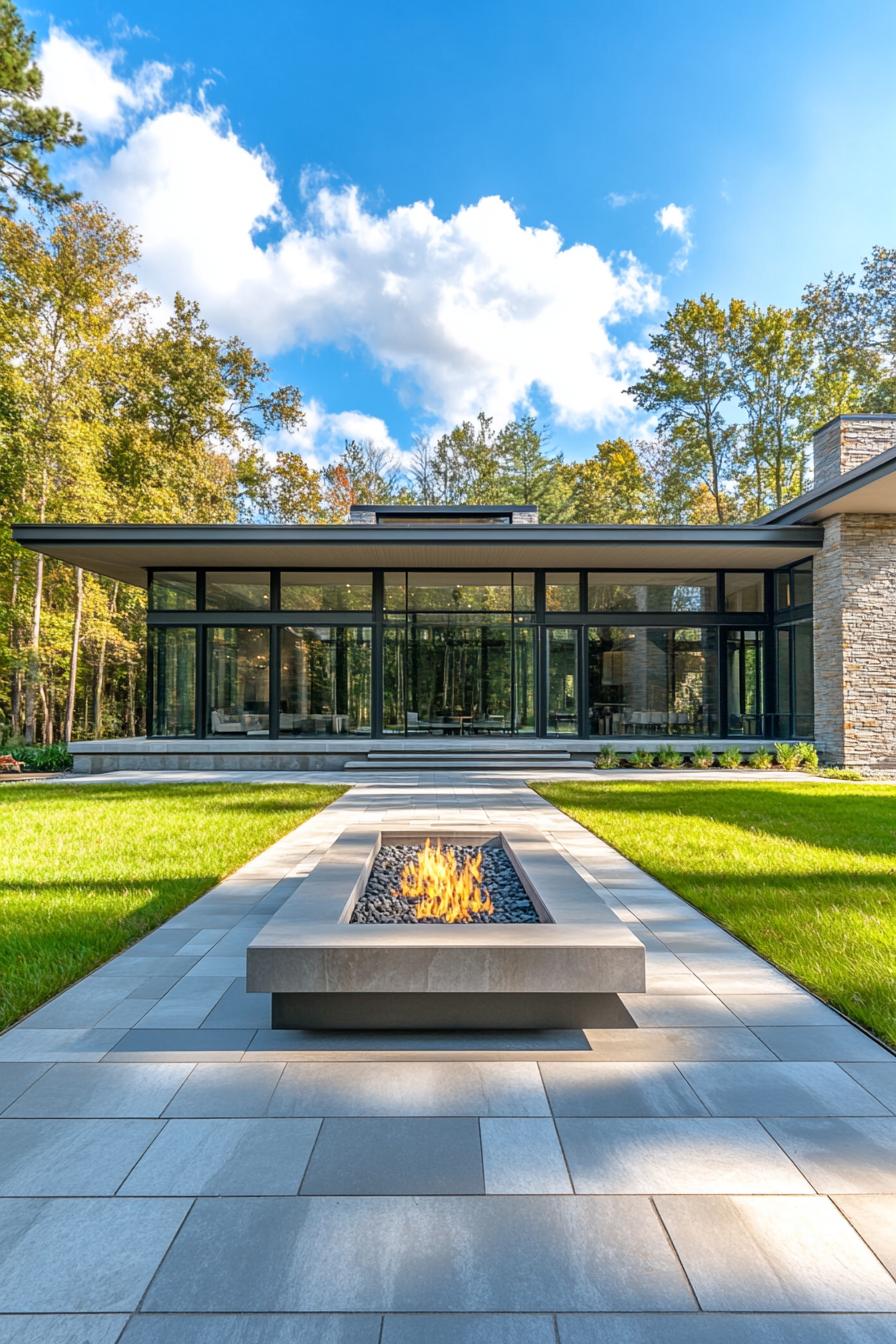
[[803, 680], [238, 679], [746, 699], [651, 681], [394, 681], [460, 591], [173, 590], [234, 590], [172, 654], [458, 677], [562, 681], [320, 591], [324, 680], [651, 592], [745, 592], [524, 679], [395, 590], [802, 584], [524, 592], [561, 592]]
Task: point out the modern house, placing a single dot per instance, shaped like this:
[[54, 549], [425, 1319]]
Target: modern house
[[410, 631]]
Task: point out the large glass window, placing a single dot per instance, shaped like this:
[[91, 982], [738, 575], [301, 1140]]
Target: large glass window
[[238, 660], [394, 681], [173, 590], [803, 680], [319, 591], [793, 587], [651, 592], [650, 681], [746, 698], [745, 592], [524, 592], [324, 680], [172, 654], [460, 591], [232, 590], [458, 676], [561, 591], [563, 679], [524, 678]]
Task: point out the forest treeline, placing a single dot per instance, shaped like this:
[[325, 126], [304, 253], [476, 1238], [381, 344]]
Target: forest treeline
[[113, 410]]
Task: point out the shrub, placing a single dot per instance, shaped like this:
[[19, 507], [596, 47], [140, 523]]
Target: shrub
[[808, 756], [607, 758], [668, 758], [840, 772], [730, 758], [641, 758], [55, 757], [787, 755], [761, 759], [702, 757]]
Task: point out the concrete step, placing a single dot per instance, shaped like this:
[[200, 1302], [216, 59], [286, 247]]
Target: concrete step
[[457, 760]]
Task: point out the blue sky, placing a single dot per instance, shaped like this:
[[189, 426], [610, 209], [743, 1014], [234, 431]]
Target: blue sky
[[417, 210]]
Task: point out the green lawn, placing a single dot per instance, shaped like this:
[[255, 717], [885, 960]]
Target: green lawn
[[86, 869], [804, 873]]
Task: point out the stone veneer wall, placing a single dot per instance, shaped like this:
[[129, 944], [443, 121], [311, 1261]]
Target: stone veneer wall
[[847, 442], [855, 640]]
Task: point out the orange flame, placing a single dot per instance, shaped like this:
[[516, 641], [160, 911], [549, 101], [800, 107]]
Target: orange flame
[[443, 890]]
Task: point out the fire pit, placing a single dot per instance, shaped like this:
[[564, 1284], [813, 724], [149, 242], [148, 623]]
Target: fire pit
[[373, 938], [454, 884]]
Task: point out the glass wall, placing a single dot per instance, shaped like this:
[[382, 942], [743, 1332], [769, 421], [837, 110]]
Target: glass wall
[[563, 681], [230, 590], [173, 590], [326, 591], [651, 592], [609, 653], [652, 681], [324, 680], [172, 674], [238, 660], [746, 682], [459, 676]]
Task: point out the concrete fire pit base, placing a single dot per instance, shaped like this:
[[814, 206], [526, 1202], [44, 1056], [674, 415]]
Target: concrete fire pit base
[[447, 1012], [324, 972]]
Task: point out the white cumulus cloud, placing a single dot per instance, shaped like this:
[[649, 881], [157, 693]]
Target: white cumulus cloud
[[676, 219], [324, 433], [80, 78], [465, 311]]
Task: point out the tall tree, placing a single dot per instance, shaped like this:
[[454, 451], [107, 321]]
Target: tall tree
[[609, 487], [687, 388], [28, 130], [364, 473]]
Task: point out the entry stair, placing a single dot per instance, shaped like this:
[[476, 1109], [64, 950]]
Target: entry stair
[[459, 758]]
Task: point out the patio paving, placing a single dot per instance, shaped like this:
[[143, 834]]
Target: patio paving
[[171, 1169]]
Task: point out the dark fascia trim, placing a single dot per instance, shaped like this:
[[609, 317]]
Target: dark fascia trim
[[864, 474], [446, 510], [855, 415], [36, 534]]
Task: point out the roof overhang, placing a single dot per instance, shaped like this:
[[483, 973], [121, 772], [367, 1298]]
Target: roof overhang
[[868, 488], [126, 552]]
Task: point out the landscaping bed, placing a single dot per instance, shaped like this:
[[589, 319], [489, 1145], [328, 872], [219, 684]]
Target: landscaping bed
[[803, 873], [87, 869]]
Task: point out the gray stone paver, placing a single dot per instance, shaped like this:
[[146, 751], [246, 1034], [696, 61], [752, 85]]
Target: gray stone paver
[[774, 1253], [395, 1155], [159, 1078], [224, 1157], [454, 1254]]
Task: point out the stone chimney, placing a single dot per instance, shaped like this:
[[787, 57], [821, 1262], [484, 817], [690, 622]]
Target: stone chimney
[[847, 441]]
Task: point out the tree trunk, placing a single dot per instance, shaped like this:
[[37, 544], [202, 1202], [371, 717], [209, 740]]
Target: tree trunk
[[132, 696], [32, 671], [15, 697], [101, 669], [73, 661]]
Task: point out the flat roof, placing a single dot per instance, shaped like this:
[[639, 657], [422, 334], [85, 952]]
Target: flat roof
[[868, 488], [126, 551]]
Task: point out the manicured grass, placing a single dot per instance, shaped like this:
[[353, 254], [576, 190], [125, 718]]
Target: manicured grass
[[86, 869], [804, 873]]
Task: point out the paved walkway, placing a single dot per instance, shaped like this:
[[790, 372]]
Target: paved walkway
[[173, 1170]]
